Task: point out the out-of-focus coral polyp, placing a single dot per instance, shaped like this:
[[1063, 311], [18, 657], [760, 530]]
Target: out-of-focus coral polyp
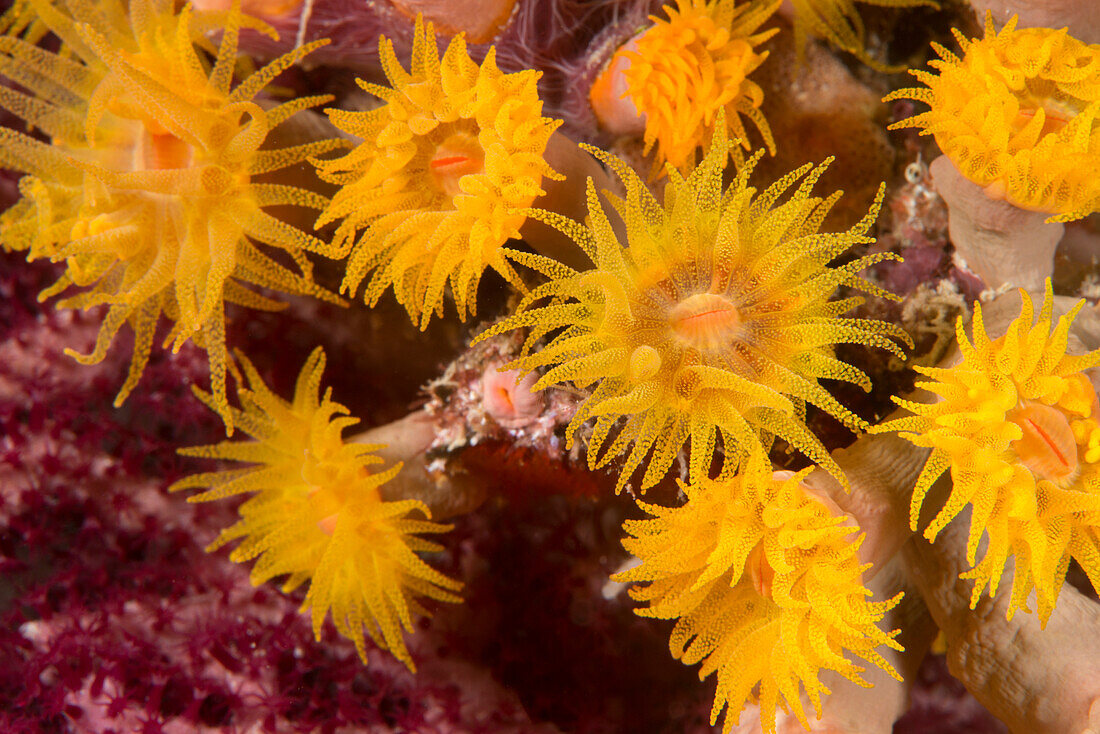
[[434, 186], [1018, 425], [1018, 115], [681, 71], [480, 20], [765, 587], [838, 22], [712, 321], [316, 513], [147, 192]]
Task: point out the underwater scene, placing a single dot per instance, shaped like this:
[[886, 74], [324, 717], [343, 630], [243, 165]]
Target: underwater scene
[[549, 366]]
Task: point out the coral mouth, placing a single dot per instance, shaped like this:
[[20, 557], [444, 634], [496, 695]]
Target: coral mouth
[[705, 320], [1047, 448], [1055, 116], [760, 572], [457, 156], [162, 151]]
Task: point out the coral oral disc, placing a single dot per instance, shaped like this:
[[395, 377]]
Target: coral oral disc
[[760, 571], [162, 151], [705, 320], [1047, 447], [457, 156]]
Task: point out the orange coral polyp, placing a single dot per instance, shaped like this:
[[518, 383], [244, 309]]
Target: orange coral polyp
[[147, 191], [315, 514], [766, 588], [1016, 426], [1018, 114], [685, 69], [711, 324], [430, 197]]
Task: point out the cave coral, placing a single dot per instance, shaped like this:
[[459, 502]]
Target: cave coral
[[445, 162], [1017, 426], [723, 326], [684, 69], [765, 586], [316, 515], [711, 321], [147, 192], [1017, 115]]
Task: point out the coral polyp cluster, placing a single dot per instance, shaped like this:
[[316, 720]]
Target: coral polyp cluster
[[1018, 427], [1017, 115], [316, 514], [711, 325], [765, 587], [445, 162], [694, 314], [686, 68], [148, 191]]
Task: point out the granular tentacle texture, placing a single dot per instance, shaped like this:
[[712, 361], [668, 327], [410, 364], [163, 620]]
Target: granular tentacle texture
[[1018, 113], [146, 192], [315, 514], [765, 588], [430, 197], [1017, 426], [711, 326]]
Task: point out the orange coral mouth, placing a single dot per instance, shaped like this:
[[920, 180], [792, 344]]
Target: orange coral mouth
[[760, 572], [1055, 117], [1047, 448], [457, 156], [705, 320], [163, 150]]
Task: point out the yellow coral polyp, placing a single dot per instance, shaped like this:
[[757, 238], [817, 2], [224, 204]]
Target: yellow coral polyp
[[1017, 425], [147, 191], [1019, 114], [445, 162], [316, 514], [765, 588], [839, 23], [710, 325], [688, 67]]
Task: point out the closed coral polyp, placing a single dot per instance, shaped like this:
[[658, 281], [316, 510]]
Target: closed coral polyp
[[1019, 114]]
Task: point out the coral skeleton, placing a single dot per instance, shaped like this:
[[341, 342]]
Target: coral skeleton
[[430, 196], [147, 192], [1017, 114], [765, 586], [1017, 426], [711, 322], [316, 514]]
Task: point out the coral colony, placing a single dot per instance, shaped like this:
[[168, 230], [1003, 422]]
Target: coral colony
[[656, 367]]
